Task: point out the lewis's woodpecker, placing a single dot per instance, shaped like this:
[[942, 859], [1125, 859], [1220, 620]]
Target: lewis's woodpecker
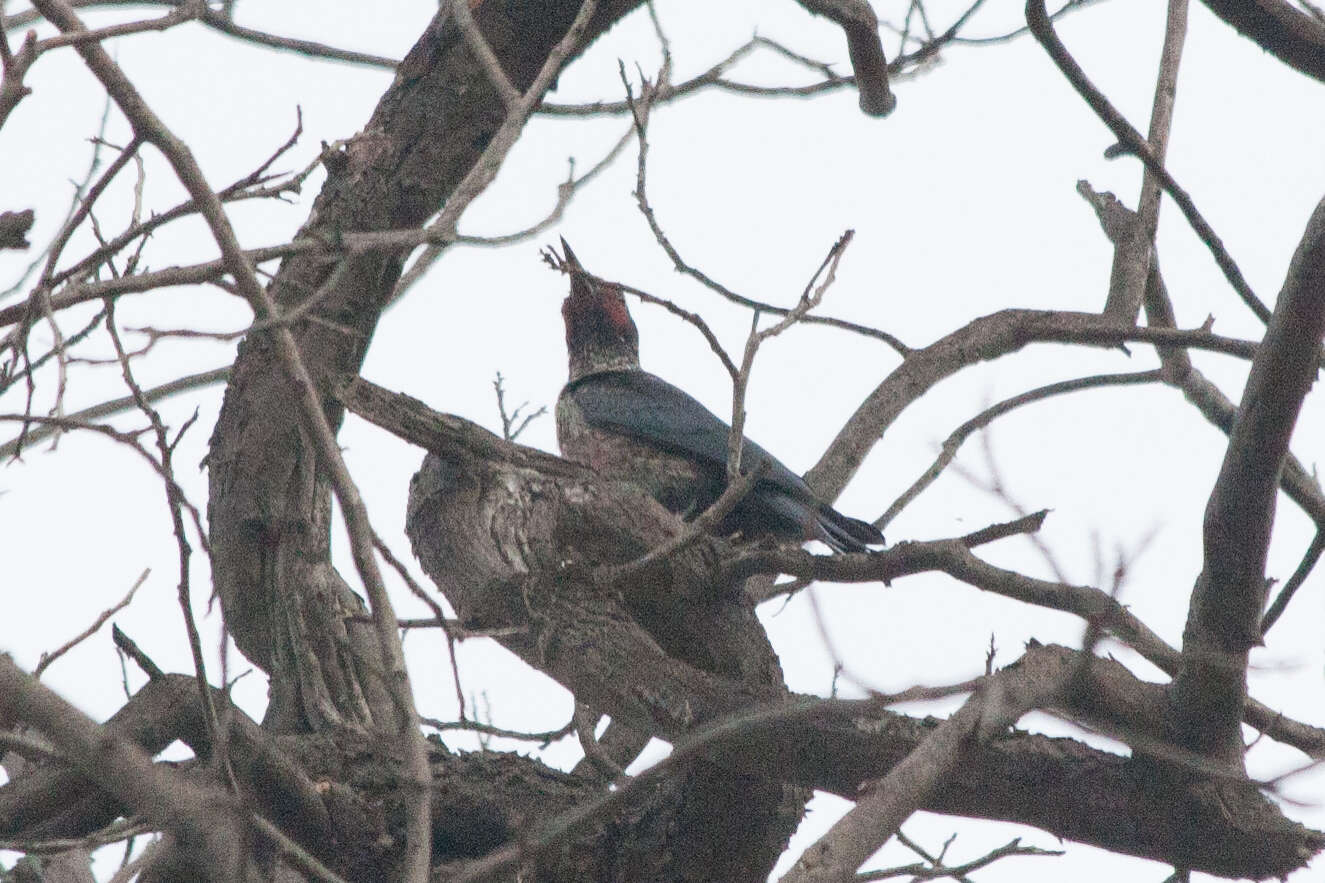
[[628, 424]]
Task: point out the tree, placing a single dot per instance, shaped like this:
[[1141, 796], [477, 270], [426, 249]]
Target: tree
[[644, 619]]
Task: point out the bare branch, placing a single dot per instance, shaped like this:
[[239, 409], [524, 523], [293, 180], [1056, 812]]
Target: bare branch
[[566, 192], [204, 819], [1291, 35], [1131, 139], [1224, 617], [811, 297], [130, 648], [640, 112], [1068, 6], [222, 22], [948, 450], [857, 19], [512, 426], [226, 25], [937, 870], [545, 738], [112, 833], [85, 206], [439, 616], [151, 128], [1309, 560], [736, 490], [15, 66], [175, 506], [1178, 371], [48, 658], [986, 338], [120, 405], [886, 803], [464, 19], [188, 10], [1132, 256]]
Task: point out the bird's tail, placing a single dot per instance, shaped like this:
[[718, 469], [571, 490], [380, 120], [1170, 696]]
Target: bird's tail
[[844, 533]]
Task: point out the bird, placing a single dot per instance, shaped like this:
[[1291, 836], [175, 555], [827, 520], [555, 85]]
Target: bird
[[627, 424]]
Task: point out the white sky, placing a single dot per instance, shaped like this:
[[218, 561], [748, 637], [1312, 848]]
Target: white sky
[[963, 203]]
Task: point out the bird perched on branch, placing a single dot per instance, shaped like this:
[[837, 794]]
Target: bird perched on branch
[[628, 424]]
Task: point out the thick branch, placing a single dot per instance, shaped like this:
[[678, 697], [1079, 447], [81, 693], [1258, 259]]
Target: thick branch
[[205, 823], [986, 338], [858, 21], [1178, 370], [884, 805], [1223, 621], [307, 406], [517, 549], [269, 507], [1287, 33]]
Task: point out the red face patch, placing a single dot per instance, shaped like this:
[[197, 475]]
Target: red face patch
[[601, 305], [613, 307]]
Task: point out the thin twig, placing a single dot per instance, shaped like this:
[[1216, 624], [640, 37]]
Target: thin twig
[[464, 20], [736, 491], [128, 439], [183, 12], [166, 450], [885, 804], [118, 406], [545, 738], [810, 298], [640, 109], [566, 191], [310, 48], [512, 426], [936, 870], [48, 658], [439, 615], [1304, 568], [80, 188], [297, 856], [948, 450], [147, 124]]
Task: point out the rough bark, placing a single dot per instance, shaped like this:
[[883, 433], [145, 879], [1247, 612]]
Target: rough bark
[[288, 609], [352, 818], [514, 536], [728, 824]]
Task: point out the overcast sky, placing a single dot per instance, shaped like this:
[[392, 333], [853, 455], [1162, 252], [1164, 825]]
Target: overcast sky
[[963, 203]]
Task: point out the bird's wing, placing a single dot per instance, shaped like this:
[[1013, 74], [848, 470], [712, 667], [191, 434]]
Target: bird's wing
[[648, 408]]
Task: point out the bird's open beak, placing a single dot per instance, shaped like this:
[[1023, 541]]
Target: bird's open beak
[[570, 259]]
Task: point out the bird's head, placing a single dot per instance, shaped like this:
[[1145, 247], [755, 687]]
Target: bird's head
[[600, 335]]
